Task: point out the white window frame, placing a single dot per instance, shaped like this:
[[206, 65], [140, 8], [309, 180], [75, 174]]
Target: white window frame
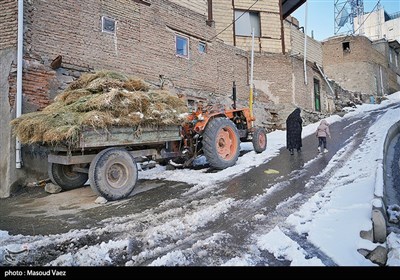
[[103, 19], [177, 37], [204, 44]]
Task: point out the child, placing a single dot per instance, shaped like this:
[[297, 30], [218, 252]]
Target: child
[[322, 132]]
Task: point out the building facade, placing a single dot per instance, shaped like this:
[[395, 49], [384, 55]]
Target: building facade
[[197, 48], [159, 41], [379, 25], [360, 65], [284, 71]]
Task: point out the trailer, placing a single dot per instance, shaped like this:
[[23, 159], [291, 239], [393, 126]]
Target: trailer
[[108, 157]]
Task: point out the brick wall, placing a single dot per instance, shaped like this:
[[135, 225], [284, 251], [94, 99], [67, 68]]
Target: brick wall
[[199, 6], [143, 44], [270, 40], [362, 68], [8, 23]]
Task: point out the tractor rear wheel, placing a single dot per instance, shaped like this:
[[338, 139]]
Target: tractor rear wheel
[[259, 140], [65, 177], [221, 143], [113, 173]]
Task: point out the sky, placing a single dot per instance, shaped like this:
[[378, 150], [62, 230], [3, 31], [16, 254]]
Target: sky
[[339, 211], [321, 15]]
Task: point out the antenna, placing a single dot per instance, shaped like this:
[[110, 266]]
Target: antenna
[[345, 12]]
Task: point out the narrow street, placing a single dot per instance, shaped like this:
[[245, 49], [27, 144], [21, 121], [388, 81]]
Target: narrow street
[[208, 226]]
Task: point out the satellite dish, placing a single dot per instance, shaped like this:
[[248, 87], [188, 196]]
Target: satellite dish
[[342, 18]]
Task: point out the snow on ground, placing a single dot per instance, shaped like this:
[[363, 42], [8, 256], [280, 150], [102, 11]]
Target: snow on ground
[[332, 218]]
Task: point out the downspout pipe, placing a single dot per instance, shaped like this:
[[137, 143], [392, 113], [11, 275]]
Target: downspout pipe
[[305, 44], [326, 79], [18, 98]]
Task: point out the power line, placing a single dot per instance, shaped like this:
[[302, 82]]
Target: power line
[[194, 62], [377, 4]]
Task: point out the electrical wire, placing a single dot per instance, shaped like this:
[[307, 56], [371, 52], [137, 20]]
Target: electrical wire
[[345, 38], [194, 62]]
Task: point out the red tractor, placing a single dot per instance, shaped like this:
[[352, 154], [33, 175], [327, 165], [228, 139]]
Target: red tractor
[[217, 133]]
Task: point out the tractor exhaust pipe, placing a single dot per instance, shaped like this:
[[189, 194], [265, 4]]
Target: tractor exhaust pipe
[[234, 95]]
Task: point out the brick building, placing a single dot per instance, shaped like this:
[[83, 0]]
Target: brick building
[[280, 73], [360, 65], [174, 43], [159, 41]]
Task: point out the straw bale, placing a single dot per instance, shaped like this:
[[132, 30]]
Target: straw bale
[[86, 78], [97, 119], [99, 100], [54, 108], [131, 119], [135, 84], [104, 84], [65, 133], [164, 96], [83, 104], [71, 96], [30, 127]]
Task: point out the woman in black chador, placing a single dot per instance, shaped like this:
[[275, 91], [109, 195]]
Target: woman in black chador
[[294, 127]]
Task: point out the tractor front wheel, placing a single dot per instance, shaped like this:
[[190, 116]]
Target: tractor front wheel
[[259, 140], [221, 143]]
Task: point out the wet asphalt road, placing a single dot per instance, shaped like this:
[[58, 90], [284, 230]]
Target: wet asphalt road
[[156, 203]]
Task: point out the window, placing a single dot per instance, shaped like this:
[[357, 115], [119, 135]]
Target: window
[[246, 22], [346, 46], [182, 46], [107, 25], [202, 47]]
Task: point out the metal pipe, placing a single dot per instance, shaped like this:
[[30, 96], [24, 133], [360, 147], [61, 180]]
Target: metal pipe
[[18, 98], [234, 95], [382, 88], [305, 45], [251, 76], [210, 19], [325, 78]]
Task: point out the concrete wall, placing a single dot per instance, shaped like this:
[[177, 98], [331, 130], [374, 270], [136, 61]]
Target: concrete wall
[[8, 53], [314, 47], [375, 27]]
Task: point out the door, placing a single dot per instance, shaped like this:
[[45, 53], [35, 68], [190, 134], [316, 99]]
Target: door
[[317, 96]]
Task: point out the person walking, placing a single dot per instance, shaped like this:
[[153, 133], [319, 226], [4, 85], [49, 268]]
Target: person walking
[[294, 127], [323, 132]]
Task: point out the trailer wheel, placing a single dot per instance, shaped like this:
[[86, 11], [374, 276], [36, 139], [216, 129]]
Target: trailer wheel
[[221, 143], [113, 173], [259, 140], [65, 177]]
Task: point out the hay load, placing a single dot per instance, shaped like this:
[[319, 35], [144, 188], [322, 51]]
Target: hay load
[[99, 100]]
